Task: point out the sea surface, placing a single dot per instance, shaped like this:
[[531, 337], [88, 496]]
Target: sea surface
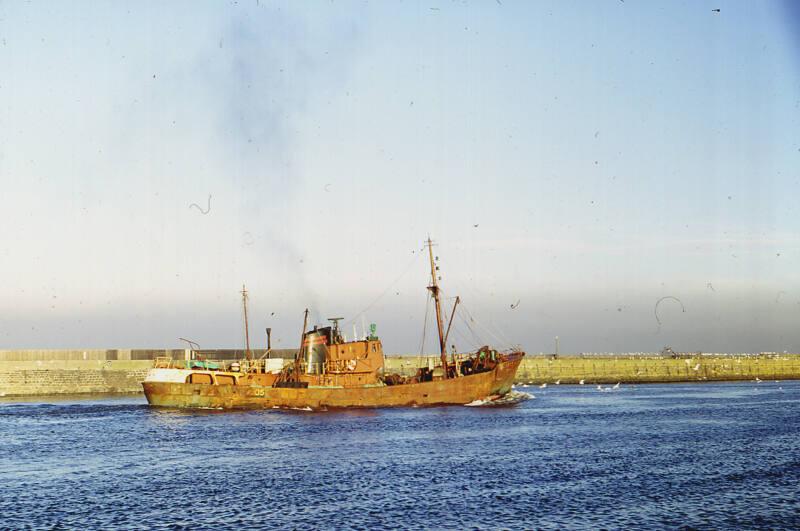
[[722, 455]]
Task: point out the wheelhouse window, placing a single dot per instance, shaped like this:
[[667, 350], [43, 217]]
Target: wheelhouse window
[[199, 378]]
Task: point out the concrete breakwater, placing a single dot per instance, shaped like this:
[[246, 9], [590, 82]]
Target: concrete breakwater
[[44, 372], [607, 370], [51, 377], [78, 371]]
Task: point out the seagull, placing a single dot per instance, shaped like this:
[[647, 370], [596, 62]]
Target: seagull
[[581, 382], [616, 386], [558, 382], [696, 367], [543, 385], [758, 379]]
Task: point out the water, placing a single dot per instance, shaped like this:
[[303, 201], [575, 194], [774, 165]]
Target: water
[[702, 456]]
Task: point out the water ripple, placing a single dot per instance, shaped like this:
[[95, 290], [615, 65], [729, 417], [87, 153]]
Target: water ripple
[[675, 456]]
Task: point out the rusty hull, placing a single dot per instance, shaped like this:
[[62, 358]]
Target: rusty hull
[[454, 391]]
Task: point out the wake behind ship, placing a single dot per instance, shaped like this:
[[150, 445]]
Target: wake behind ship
[[331, 372]]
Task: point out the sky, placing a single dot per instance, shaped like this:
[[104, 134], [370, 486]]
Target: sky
[[621, 174]]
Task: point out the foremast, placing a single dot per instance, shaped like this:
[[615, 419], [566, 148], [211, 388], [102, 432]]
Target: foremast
[[434, 289]]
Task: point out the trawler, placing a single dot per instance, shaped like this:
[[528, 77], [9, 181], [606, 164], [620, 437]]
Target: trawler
[[330, 372]]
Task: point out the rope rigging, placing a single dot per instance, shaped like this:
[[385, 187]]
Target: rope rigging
[[388, 288], [495, 337], [489, 327], [476, 331], [425, 325]]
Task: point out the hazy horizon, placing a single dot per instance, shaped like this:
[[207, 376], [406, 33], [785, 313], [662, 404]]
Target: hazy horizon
[[574, 162]]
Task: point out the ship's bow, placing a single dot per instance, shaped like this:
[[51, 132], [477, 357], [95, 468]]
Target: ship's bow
[[505, 372]]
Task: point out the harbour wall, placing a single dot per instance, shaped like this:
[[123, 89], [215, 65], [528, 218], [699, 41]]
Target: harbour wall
[[79, 371], [50, 372], [641, 369], [53, 377]]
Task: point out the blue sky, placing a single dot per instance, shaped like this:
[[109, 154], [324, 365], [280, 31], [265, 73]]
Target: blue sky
[[610, 153]]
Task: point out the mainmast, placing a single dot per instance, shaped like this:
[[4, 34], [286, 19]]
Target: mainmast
[[246, 326], [434, 289]]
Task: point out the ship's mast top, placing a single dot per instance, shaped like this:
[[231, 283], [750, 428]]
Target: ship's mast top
[[434, 289]]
